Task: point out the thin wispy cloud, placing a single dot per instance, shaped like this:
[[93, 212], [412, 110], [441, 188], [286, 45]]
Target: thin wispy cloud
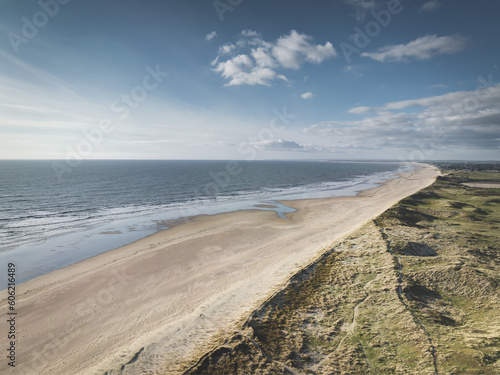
[[307, 95], [257, 61], [146, 141], [360, 110], [430, 6], [422, 48], [284, 145], [36, 101], [37, 73], [362, 7], [211, 35], [439, 86]]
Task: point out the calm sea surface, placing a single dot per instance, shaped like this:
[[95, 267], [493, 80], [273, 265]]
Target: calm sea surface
[[48, 221]]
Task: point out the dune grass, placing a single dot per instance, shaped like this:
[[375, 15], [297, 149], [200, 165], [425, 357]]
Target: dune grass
[[416, 291]]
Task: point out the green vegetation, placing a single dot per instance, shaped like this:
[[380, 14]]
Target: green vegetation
[[416, 291]]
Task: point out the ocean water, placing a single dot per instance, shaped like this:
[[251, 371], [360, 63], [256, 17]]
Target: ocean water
[[48, 221]]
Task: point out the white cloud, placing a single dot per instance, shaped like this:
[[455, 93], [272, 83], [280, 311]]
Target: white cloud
[[261, 60], [211, 35], [421, 49], [226, 49], [241, 70], [250, 33], [307, 95], [293, 49], [466, 120], [444, 101], [430, 6], [234, 66], [360, 110]]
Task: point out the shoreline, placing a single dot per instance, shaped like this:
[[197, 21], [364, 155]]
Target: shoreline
[[181, 287], [408, 292], [65, 249], [294, 204]]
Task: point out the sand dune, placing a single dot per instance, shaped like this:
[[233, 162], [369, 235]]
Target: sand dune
[[166, 296]]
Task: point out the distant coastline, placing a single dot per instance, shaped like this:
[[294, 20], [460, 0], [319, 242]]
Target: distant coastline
[[414, 291], [52, 224]]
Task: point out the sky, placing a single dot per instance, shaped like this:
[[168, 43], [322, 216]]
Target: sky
[[403, 80]]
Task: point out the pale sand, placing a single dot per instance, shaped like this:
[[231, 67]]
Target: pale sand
[[488, 185], [174, 291]]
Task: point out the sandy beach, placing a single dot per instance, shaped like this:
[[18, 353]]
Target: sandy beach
[[157, 303]]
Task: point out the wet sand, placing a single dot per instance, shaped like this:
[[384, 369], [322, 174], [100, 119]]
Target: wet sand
[[168, 295]]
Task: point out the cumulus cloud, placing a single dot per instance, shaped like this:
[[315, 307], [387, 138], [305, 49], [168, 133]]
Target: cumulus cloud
[[307, 95], [211, 35], [430, 6], [456, 120], [226, 49], [254, 61], [293, 49], [263, 58], [241, 70], [422, 48]]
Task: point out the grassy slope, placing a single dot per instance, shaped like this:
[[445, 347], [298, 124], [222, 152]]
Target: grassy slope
[[416, 291]]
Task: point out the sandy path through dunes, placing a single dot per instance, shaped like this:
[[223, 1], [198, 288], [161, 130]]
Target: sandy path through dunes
[[172, 292], [487, 185]]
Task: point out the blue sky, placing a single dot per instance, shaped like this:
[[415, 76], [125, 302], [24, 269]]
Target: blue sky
[[241, 79]]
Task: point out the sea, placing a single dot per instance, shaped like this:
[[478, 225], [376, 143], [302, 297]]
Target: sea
[[49, 219]]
